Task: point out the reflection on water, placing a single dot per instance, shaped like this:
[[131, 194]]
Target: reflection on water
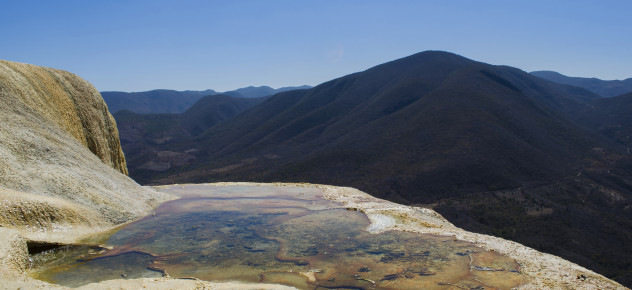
[[287, 235]]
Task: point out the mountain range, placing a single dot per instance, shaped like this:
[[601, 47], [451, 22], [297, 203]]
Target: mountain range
[[492, 148], [263, 91], [603, 88], [175, 102], [454, 115]]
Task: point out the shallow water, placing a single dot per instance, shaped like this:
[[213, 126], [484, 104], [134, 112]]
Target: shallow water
[[287, 235]]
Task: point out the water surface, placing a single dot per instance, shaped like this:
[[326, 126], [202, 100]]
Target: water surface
[[286, 235]]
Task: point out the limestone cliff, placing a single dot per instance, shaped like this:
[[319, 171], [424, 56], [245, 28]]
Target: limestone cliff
[[61, 163], [68, 101]]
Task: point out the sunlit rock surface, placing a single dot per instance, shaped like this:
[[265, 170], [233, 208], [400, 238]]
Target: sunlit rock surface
[[66, 100], [62, 170]]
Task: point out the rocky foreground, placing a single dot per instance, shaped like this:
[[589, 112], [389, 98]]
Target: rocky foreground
[[543, 271], [63, 179]]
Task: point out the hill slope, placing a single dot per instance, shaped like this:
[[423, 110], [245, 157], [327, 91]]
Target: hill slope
[[612, 117], [603, 88]]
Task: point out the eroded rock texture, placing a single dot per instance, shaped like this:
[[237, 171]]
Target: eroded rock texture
[[61, 163], [68, 101]]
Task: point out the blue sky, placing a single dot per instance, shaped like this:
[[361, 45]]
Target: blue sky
[[139, 45]]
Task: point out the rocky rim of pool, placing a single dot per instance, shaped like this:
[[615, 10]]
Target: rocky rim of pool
[[310, 236]]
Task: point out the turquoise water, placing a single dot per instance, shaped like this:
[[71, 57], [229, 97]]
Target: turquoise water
[[281, 235]]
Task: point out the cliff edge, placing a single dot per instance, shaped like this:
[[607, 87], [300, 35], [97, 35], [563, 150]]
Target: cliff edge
[[68, 101], [61, 164]]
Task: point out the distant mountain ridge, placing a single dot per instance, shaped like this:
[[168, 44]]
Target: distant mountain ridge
[[176, 102], [603, 88], [263, 91]]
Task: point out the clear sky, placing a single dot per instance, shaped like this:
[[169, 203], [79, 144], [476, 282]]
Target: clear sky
[[138, 45]]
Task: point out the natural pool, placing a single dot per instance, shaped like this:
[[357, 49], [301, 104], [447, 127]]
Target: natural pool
[[278, 234]]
